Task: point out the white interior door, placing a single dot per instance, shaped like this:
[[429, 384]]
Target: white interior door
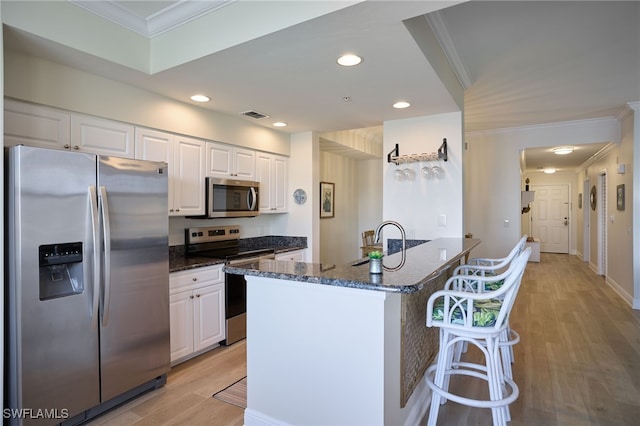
[[550, 217]]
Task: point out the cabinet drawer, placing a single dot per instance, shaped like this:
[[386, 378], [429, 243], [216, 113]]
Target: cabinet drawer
[[195, 278]]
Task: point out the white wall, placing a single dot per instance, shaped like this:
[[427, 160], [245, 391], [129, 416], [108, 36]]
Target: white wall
[[418, 204], [338, 242], [369, 200], [493, 179], [619, 223], [40, 81]]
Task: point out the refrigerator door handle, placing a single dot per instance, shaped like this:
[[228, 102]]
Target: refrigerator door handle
[[95, 235], [106, 227]]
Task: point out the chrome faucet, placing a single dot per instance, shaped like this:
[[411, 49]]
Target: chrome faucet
[[376, 239]]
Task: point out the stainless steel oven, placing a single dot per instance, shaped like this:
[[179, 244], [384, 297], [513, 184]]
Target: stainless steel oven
[[222, 242], [236, 300]]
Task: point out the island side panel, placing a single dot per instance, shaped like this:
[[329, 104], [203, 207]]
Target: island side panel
[[315, 353], [419, 343]]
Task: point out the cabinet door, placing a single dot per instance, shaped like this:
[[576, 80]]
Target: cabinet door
[[271, 172], [153, 145], [36, 125], [101, 136], [244, 162], [209, 316], [263, 173], [279, 184], [189, 162], [181, 319], [219, 160]]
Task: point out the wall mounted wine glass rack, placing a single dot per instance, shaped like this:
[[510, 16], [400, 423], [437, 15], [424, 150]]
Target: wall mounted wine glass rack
[[395, 157]]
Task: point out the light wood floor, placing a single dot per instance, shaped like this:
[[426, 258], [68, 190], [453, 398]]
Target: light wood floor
[[578, 362]]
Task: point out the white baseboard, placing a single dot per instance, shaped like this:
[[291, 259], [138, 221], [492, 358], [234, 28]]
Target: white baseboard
[[621, 292], [256, 418]]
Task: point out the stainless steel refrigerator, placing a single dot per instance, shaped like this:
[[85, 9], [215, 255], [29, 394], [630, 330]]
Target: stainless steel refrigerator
[[87, 289]]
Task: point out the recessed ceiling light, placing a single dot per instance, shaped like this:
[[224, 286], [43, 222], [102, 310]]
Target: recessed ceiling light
[[401, 104], [200, 98], [564, 150], [280, 124], [549, 170], [349, 60]]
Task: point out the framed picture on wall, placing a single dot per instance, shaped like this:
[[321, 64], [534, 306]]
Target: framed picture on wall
[[620, 197], [327, 200]]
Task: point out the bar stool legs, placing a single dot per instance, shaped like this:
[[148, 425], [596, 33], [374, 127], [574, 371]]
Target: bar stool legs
[[502, 389]]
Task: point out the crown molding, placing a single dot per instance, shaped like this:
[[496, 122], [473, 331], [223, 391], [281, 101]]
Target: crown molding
[[172, 16], [439, 28], [544, 126]]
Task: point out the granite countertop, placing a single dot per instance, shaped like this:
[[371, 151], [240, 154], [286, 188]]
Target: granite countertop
[[422, 263], [179, 262]]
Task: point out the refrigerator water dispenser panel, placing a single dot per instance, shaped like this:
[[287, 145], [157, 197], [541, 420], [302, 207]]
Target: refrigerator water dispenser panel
[[60, 270]]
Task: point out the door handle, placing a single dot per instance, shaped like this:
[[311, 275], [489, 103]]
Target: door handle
[[95, 237], [566, 221], [106, 228]]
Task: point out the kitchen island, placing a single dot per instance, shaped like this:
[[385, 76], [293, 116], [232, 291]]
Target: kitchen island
[[335, 345]]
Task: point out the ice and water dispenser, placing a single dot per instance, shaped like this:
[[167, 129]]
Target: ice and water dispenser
[[60, 270]]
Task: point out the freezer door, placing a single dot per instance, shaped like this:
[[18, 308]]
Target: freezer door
[[52, 347], [134, 323]]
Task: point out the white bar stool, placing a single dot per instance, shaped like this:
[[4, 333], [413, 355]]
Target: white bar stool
[[486, 267], [479, 319]]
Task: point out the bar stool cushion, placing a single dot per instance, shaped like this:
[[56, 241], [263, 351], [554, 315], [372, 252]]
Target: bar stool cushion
[[485, 312]]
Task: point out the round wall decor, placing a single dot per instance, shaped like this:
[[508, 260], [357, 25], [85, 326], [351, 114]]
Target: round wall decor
[[299, 196], [592, 197]]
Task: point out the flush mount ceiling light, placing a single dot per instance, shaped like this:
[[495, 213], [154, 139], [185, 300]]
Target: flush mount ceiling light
[[401, 105], [549, 170], [280, 124], [200, 98], [349, 60], [563, 150]]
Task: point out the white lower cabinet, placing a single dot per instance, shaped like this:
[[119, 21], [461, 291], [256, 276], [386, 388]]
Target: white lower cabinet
[[196, 306], [292, 256]]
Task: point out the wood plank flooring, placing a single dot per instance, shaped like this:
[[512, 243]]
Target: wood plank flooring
[[578, 362]]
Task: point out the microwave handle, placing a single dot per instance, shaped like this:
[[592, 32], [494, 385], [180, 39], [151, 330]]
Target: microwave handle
[[251, 198]]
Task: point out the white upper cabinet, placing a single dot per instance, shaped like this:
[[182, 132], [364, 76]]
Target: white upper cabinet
[[271, 171], [101, 136], [35, 125], [185, 157], [226, 161], [46, 127]]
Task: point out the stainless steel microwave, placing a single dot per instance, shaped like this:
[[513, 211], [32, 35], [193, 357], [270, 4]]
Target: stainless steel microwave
[[231, 198]]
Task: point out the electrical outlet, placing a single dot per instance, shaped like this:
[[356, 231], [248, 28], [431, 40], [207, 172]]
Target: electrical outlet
[[442, 220]]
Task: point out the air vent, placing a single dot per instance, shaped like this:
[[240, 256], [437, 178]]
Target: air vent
[[254, 114]]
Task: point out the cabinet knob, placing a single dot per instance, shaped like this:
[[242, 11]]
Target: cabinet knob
[[191, 297], [67, 146], [76, 147], [197, 295], [194, 279], [177, 210]]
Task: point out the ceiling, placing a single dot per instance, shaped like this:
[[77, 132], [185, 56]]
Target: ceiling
[[519, 63]]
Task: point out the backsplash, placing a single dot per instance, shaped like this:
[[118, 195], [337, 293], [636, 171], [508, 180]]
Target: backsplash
[[395, 245]]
